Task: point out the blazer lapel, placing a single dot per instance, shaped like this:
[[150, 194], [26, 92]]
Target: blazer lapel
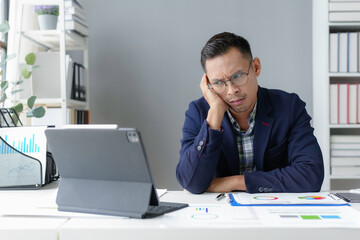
[[262, 130], [230, 147]]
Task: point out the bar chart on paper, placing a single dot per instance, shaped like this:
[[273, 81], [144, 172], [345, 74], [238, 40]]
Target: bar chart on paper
[[24, 145], [22, 150]]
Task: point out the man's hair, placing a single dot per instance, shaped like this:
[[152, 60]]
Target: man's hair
[[220, 43]]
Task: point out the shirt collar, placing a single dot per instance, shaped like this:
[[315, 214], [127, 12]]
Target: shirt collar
[[251, 120]]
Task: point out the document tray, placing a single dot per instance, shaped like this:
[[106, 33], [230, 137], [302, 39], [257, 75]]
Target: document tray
[[18, 170]]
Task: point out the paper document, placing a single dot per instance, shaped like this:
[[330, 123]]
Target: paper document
[[31, 141], [160, 192], [285, 199]]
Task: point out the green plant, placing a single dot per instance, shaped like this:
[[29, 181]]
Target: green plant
[[15, 86], [47, 9]]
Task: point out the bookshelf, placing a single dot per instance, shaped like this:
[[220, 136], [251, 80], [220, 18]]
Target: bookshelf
[[60, 43], [322, 78]]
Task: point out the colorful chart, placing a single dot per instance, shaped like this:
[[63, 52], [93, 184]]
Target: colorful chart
[[312, 198], [203, 214], [265, 198], [24, 145]]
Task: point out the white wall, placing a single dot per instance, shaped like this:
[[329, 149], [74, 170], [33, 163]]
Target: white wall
[[145, 61]]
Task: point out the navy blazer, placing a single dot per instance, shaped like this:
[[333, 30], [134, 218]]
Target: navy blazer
[[286, 153]]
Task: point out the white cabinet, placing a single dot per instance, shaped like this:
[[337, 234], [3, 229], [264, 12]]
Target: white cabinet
[[54, 50], [322, 99]]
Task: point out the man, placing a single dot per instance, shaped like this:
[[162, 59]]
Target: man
[[240, 136]]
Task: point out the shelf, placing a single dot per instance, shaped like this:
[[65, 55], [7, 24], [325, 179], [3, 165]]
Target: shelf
[[80, 105], [344, 177], [56, 102], [344, 75], [339, 126], [50, 39]]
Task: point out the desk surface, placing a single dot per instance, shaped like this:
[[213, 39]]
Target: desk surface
[[32, 214]]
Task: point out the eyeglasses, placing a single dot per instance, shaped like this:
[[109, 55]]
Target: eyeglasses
[[238, 79]]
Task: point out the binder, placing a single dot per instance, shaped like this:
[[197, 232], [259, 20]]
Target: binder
[[78, 90]]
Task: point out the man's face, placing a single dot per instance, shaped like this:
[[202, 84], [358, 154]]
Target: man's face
[[239, 99]]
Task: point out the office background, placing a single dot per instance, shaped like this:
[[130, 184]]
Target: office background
[[144, 61]]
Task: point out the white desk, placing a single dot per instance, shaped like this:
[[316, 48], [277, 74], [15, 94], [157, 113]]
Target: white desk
[[28, 227], [185, 224]]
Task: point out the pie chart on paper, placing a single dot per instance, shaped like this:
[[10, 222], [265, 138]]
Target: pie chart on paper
[[312, 198]]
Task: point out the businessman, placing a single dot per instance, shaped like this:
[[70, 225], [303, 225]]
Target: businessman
[[240, 136]]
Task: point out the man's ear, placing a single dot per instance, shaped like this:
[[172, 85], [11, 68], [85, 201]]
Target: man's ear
[[257, 66]]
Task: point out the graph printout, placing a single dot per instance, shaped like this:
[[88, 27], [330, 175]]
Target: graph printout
[[30, 141], [312, 198]]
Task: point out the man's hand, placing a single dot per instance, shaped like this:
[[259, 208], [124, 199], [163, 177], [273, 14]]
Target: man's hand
[[227, 184], [217, 106]]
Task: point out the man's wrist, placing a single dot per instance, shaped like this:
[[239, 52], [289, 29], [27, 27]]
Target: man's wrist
[[214, 118]]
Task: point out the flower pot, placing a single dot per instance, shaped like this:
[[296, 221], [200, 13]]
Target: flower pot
[[47, 21]]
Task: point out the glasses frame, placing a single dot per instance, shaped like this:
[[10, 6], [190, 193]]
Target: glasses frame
[[210, 86]]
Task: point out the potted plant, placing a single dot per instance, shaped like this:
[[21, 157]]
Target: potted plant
[[47, 16]]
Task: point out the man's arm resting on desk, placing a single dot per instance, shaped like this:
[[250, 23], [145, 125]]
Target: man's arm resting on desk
[[227, 184]]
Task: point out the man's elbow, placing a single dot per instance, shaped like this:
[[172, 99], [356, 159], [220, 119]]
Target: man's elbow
[[189, 186]]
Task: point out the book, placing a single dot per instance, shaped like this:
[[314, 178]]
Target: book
[[69, 74], [345, 138], [343, 52], [353, 104], [358, 103], [72, 3], [344, 6], [333, 60], [345, 161], [353, 51], [345, 152], [73, 25], [345, 145], [75, 10], [353, 170], [344, 16], [334, 99], [343, 104], [72, 17]]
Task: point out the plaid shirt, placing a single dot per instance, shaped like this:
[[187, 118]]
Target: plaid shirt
[[245, 142]]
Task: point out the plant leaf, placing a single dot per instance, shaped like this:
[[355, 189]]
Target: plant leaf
[[4, 85], [18, 108], [4, 27], [16, 91], [34, 67], [26, 73], [31, 101], [19, 82], [37, 112], [3, 97], [15, 119], [30, 59]]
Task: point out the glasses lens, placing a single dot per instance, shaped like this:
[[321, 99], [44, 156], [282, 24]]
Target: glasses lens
[[219, 87], [240, 79]]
